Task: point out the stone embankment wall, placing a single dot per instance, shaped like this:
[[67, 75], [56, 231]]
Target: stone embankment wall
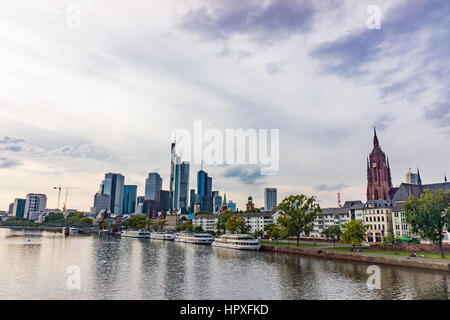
[[348, 256], [431, 248]]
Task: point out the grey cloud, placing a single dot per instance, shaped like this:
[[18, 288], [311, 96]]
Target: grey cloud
[[326, 187], [222, 19], [9, 163], [439, 114], [383, 121], [11, 140], [274, 67], [248, 174]]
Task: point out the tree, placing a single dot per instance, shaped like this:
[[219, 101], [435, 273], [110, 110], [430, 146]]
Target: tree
[[333, 232], [53, 217], [138, 222], [354, 232], [389, 240], [160, 225], [198, 229], [298, 214], [237, 225], [258, 233], [428, 216], [222, 222], [187, 227]]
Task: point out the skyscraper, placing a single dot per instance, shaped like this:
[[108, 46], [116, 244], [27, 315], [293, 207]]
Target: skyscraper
[[379, 181], [129, 199], [152, 184], [192, 201], [101, 201], [35, 205], [179, 182], [413, 178], [113, 185], [204, 191], [270, 198], [217, 201], [184, 186], [19, 208]]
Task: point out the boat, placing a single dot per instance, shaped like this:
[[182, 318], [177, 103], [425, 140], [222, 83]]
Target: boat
[[136, 234], [163, 236], [72, 231], [195, 238], [238, 242]]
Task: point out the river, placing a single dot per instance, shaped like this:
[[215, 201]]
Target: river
[[35, 265]]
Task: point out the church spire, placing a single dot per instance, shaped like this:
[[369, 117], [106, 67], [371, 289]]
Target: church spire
[[375, 138], [419, 180]]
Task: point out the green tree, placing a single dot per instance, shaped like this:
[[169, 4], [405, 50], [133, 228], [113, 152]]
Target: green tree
[[389, 240], [187, 226], [428, 216], [222, 222], [53, 217], [333, 232], [237, 225], [298, 214], [258, 233], [198, 229], [354, 232], [138, 222], [160, 225]]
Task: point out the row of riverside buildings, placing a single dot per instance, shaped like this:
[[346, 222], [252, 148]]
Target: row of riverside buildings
[[383, 211]]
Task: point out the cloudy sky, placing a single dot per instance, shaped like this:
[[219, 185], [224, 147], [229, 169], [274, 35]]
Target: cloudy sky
[[95, 86]]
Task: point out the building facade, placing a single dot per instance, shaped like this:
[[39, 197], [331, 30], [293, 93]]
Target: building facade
[[19, 208], [129, 199], [379, 182], [113, 185], [378, 218], [270, 198], [152, 184], [35, 205]]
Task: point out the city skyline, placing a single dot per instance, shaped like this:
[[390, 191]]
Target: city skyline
[[89, 113]]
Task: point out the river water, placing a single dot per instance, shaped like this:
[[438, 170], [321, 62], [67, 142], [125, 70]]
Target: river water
[[34, 265]]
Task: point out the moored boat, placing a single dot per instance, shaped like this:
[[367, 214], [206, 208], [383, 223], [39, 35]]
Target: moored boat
[[195, 238], [238, 242], [136, 234], [163, 236]]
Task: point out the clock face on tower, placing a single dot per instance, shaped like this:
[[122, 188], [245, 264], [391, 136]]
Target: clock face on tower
[[374, 165]]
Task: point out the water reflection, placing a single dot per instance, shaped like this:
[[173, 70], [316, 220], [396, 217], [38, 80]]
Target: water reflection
[[33, 266]]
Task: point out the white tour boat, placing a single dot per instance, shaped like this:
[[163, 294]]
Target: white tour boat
[[136, 234], [237, 241], [196, 238], [163, 236], [72, 231]]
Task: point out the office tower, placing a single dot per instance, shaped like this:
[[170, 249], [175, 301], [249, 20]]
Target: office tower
[[162, 199], [413, 178], [35, 205], [113, 185], [204, 191], [270, 198], [150, 208], [152, 184], [140, 205], [129, 199], [101, 201], [232, 206], [10, 209], [173, 159], [192, 201], [19, 208], [184, 186], [217, 201]]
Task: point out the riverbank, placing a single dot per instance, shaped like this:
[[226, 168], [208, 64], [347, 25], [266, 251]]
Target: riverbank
[[432, 264], [47, 228]]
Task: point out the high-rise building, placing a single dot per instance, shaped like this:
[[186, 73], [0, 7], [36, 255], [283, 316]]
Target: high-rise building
[[204, 191], [101, 201], [19, 208], [162, 199], [35, 205], [140, 205], [270, 198], [184, 187], [379, 182], [129, 199], [217, 201], [232, 206], [413, 178], [173, 160], [114, 186], [152, 184], [192, 201], [10, 209]]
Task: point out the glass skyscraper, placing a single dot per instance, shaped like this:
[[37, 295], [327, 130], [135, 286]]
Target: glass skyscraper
[[204, 191], [270, 198], [152, 184], [129, 199], [179, 182], [114, 186]]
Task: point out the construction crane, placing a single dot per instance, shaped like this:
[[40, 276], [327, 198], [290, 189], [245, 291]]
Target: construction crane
[[59, 188]]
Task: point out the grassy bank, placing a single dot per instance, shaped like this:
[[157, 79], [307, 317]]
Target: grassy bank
[[394, 253], [292, 243]]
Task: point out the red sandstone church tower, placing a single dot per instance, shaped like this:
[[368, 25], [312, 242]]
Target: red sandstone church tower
[[379, 180]]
